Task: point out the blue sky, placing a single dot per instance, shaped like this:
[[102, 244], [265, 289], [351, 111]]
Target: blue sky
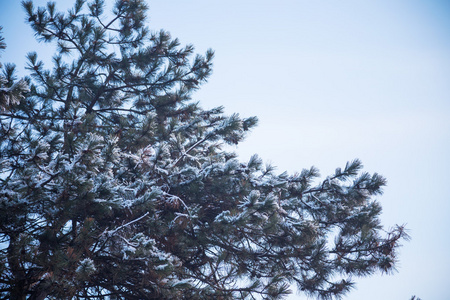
[[331, 81]]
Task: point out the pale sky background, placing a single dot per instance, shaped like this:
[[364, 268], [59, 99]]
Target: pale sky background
[[330, 81]]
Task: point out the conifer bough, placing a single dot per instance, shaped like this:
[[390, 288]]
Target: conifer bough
[[114, 183]]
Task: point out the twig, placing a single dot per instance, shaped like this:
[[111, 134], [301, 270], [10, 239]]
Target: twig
[[111, 232]]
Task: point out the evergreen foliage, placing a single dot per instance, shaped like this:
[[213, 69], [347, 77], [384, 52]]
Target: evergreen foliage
[[11, 90], [115, 184]]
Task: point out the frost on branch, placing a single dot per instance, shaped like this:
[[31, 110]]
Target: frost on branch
[[86, 268]]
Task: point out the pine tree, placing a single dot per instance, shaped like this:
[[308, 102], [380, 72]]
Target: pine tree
[[11, 90], [115, 184]]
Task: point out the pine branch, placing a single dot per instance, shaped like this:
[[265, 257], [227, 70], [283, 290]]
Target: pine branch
[[112, 232]]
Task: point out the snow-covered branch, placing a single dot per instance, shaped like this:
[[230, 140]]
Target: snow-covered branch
[[112, 232]]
